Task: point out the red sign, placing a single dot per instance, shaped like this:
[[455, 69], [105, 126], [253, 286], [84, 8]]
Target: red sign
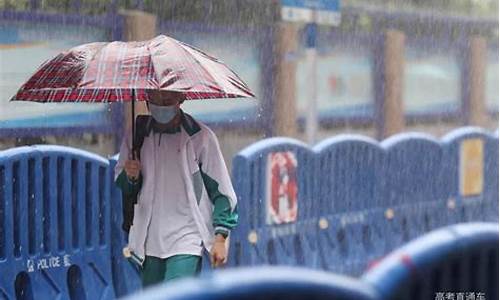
[[281, 188]]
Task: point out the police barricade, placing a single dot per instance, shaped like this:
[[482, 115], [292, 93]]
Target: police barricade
[[54, 224], [347, 172], [262, 283], [472, 166], [126, 276], [273, 182], [366, 199], [456, 262], [415, 185]]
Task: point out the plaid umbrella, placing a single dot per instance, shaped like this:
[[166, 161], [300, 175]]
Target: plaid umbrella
[[119, 71]]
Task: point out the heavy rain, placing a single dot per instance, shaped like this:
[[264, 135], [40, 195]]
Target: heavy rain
[[249, 149]]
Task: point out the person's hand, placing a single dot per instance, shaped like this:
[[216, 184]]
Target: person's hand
[[218, 255], [133, 169]]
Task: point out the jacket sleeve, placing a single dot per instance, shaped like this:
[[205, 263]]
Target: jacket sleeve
[[127, 186], [218, 186]]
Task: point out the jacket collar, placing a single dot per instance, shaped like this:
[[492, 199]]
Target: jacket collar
[[190, 125]]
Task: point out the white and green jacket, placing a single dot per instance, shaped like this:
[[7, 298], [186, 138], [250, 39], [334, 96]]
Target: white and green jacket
[[208, 186]]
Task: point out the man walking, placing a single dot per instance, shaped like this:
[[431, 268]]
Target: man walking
[[185, 199]]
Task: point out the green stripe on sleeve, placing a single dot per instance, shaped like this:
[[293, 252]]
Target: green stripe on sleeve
[[223, 215]]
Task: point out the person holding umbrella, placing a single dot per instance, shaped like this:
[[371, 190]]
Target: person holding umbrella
[[186, 198], [173, 171]]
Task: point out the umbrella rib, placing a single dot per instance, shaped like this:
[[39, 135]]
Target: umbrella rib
[[155, 77], [187, 53], [122, 51], [100, 67]]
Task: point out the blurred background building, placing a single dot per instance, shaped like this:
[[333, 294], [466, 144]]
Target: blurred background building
[[391, 66]]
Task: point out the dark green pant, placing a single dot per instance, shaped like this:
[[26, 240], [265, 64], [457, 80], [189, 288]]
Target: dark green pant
[[156, 270]]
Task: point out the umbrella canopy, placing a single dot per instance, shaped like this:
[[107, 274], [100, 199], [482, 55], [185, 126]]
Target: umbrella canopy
[[125, 71], [119, 71]]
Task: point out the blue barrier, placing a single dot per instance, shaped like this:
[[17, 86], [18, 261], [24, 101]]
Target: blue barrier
[[366, 198], [263, 283], [60, 213], [415, 183], [457, 259], [255, 241], [413, 169], [54, 224], [414, 186], [341, 163], [126, 276], [481, 204]]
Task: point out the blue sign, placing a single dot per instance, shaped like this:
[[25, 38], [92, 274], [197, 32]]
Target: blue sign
[[326, 12], [331, 5]]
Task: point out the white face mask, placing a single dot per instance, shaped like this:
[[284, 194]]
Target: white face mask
[[163, 114]]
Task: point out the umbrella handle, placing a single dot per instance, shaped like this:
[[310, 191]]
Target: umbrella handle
[[133, 124]]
